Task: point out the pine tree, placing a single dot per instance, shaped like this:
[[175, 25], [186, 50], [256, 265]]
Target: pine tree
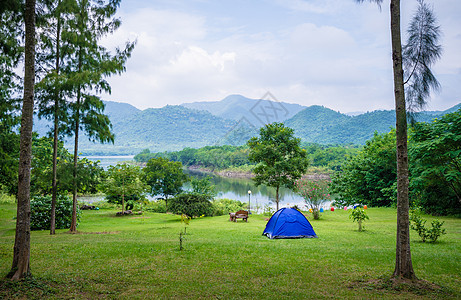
[[91, 65], [10, 56], [419, 55], [21, 252], [51, 90]]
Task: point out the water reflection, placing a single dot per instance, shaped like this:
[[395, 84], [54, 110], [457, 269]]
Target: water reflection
[[237, 189], [230, 188]]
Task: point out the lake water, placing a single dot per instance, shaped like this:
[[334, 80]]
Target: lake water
[[106, 161], [230, 188]]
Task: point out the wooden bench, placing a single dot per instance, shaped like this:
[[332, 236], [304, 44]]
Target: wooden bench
[[241, 214]]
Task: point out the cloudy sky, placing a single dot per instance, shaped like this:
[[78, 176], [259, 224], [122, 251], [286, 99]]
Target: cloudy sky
[[334, 53]]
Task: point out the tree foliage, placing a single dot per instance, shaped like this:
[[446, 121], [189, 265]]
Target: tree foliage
[[358, 215], [11, 52], [191, 204], [315, 194], [420, 52], [435, 162], [9, 154], [370, 176], [203, 187], [42, 162], [40, 212], [279, 157], [164, 177], [435, 174], [124, 180]]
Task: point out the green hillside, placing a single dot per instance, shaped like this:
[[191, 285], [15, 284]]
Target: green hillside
[[172, 128], [318, 124], [257, 112], [160, 129]]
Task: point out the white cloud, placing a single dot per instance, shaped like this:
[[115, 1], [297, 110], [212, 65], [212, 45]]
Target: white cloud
[[312, 6], [197, 60], [342, 61]]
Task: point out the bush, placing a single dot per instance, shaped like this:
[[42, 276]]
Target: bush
[[5, 198], [431, 234], [315, 194], [158, 206], [359, 215], [40, 208], [129, 200], [191, 204], [225, 206], [268, 210]]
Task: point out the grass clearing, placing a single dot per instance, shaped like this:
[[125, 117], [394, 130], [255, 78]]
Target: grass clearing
[[137, 258]]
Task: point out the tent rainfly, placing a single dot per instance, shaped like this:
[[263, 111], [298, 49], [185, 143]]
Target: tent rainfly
[[289, 223]]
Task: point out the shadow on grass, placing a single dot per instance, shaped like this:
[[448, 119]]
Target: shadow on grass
[[364, 231], [402, 286], [30, 287]]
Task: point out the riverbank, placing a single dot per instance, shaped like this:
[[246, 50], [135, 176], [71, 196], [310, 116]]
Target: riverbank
[[236, 173]]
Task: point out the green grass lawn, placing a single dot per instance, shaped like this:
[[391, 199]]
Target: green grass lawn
[[139, 257]]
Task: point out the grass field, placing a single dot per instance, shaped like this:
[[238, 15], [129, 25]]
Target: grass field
[[139, 258]]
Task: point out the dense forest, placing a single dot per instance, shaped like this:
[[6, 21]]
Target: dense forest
[[365, 174], [326, 158], [434, 164], [173, 128]]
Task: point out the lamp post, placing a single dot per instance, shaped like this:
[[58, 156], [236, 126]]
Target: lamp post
[[249, 196]]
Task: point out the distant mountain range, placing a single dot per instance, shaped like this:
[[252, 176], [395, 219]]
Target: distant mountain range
[[233, 121], [256, 112]]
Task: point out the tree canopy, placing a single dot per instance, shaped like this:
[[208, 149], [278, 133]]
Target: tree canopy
[[369, 177], [164, 177], [123, 180], [279, 157], [435, 161], [435, 173]]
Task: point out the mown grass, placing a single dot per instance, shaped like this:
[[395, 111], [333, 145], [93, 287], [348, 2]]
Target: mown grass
[[139, 257]]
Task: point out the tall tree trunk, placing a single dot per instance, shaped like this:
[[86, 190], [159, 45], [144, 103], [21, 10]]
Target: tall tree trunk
[[21, 252], [73, 224], [55, 134], [403, 263]]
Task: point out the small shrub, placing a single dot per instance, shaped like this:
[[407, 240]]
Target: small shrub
[[5, 198], [418, 224], [315, 194], [225, 206], [358, 215], [268, 210], [129, 200], [191, 204], [436, 230], [158, 206], [40, 208]]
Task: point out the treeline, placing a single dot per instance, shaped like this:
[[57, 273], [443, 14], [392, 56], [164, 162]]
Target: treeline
[[328, 157], [211, 157], [63, 83], [434, 152]]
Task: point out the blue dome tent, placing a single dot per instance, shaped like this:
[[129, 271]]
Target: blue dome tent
[[289, 223]]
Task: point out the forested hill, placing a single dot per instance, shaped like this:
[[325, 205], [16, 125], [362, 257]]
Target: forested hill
[[257, 112], [318, 124], [173, 128], [159, 129]]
